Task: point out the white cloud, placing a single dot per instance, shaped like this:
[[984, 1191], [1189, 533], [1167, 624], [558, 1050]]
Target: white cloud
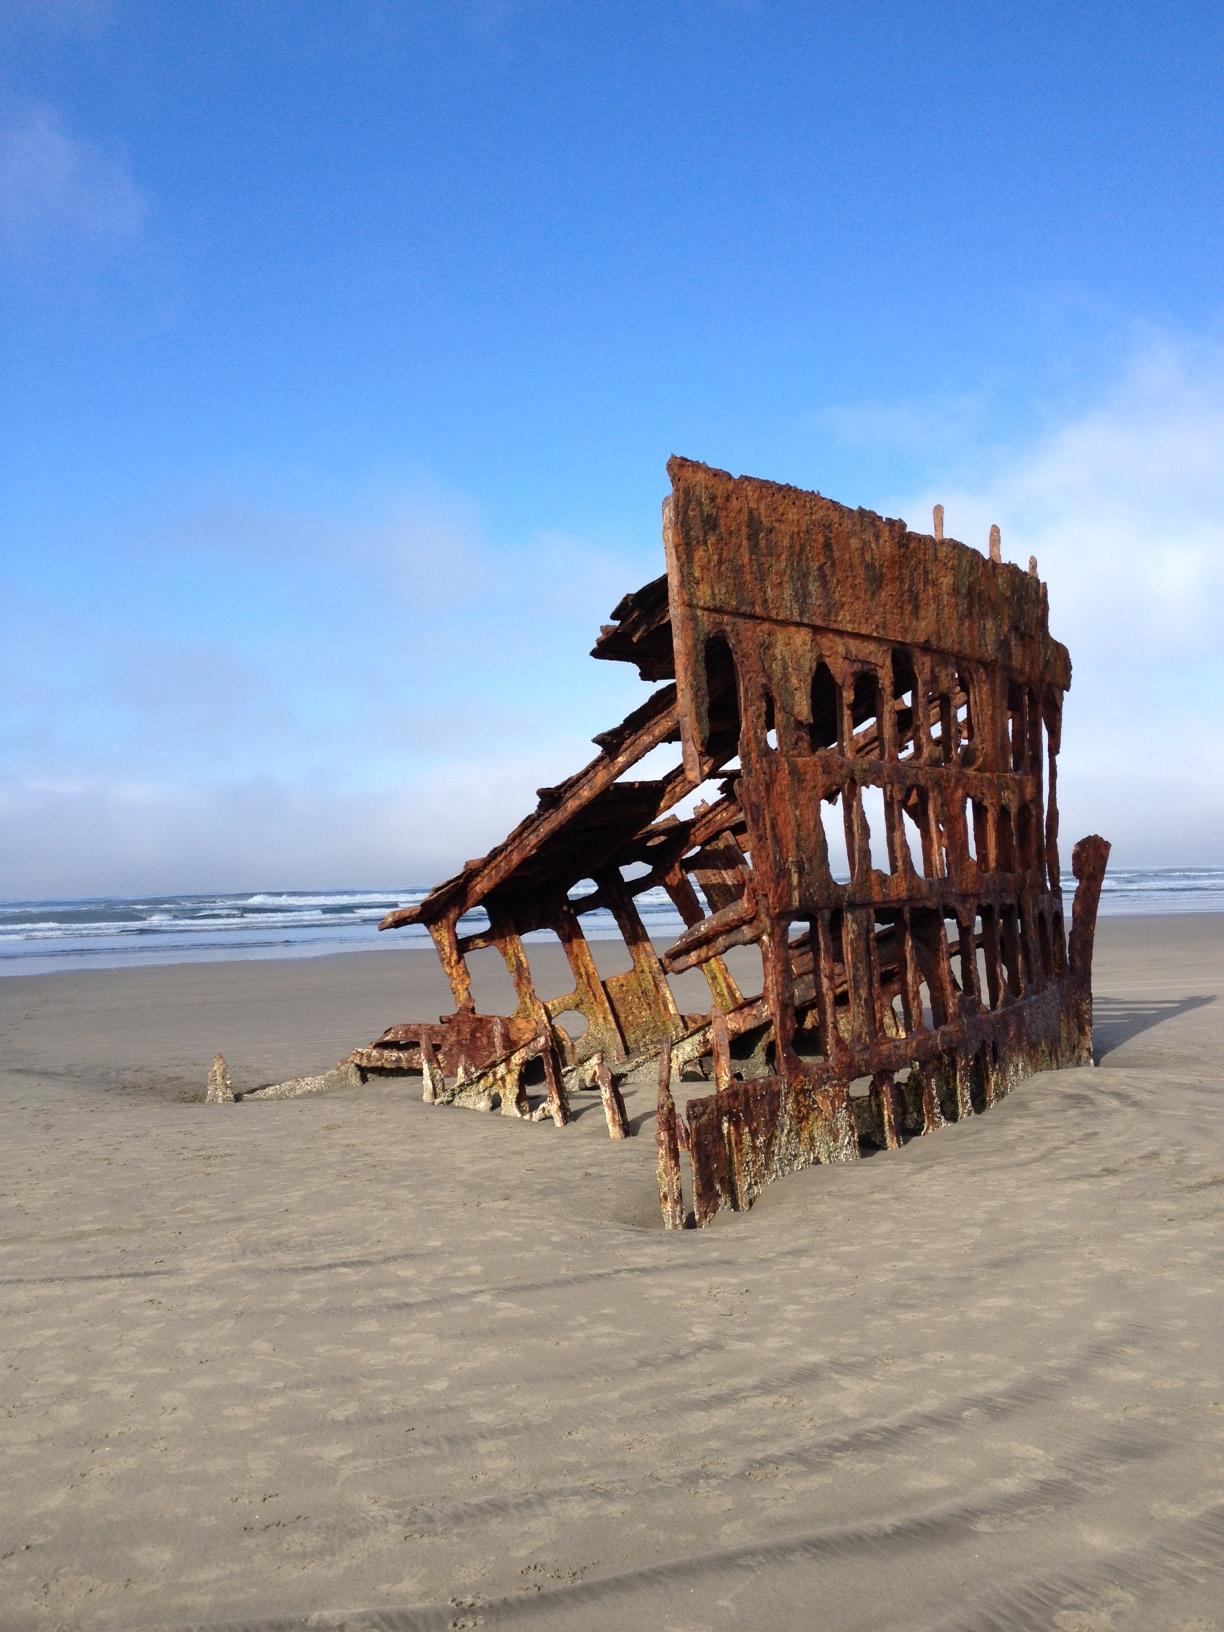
[[1123, 505], [934, 423], [55, 186]]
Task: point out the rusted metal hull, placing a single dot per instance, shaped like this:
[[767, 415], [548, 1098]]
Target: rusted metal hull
[[835, 679], [742, 1137]]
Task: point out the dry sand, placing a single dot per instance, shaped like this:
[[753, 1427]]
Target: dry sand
[[357, 1361]]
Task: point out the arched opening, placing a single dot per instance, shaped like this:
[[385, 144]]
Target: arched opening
[[825, 729], [1017, 746], [964, 718], [833, 820], [722, 698], [905, 702], [865, 713], [960, 960], [913, 814], [1009, 949], [871, 803], [941, 727], [1033, 714], [573, 1023]]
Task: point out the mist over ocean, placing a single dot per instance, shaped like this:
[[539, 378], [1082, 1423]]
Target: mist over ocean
[[41, 937]]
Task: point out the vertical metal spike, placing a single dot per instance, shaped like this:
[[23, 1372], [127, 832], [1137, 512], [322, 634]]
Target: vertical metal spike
[[667, 1143]]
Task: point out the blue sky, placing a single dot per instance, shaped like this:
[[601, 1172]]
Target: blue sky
[[343, 347]]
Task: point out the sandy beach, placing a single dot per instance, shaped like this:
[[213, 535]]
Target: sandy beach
[[355, 1361]]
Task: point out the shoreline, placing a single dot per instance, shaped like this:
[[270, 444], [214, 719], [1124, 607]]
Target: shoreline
[[377, 950]]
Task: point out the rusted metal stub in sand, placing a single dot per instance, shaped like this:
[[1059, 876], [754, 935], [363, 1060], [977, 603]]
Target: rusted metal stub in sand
[[220, 1090], [830, 683]]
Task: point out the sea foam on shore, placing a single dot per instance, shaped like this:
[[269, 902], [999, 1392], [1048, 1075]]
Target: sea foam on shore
[[41, 937]]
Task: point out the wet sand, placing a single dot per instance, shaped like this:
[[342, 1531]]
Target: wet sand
[[355, 1361]]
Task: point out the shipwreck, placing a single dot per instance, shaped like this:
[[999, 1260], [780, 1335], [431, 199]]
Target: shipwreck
[[835, 677]]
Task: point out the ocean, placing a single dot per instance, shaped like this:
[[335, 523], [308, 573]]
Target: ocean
[[43, 937]]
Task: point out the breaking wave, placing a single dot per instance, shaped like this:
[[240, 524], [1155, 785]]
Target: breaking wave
[[38, 936]]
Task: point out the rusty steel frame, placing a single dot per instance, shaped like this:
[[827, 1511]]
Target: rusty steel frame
[[815, 660]]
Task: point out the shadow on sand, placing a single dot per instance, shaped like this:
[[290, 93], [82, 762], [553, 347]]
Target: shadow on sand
[[1115, 1020]]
